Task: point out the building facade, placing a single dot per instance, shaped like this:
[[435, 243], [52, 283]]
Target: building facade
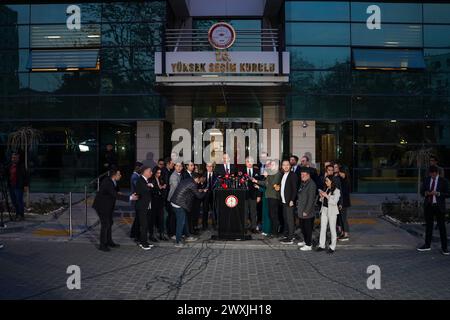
[[364, 83]]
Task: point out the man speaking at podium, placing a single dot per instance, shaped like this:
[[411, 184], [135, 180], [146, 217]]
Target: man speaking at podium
[[226, 167]]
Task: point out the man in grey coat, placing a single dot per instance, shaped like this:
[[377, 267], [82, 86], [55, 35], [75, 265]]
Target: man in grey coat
[[174, 179], [306, 199]]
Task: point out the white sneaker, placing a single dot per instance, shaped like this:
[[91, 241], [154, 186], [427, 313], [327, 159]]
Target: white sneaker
[[301, 244], [179, 245], [191, 239], [173, 238], [306, 248], [145, 247]]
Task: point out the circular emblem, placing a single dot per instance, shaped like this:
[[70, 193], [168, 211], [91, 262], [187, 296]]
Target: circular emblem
[[231, 201], [221, 35]]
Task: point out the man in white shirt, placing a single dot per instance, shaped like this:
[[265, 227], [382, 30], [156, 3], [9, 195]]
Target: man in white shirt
[[434, 190], [288, 193], [253, 195], [208, 204]]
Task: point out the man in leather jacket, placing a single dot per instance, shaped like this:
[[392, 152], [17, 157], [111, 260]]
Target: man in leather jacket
[[182, 201]]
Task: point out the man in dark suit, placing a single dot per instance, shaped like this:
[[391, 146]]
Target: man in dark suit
[[166, 172], [143, 206], [253, 194], [434, 190], [288, 193], [134, 232], [191, 216], [293, 161], [226, 167], [104, 204], [208, 202]]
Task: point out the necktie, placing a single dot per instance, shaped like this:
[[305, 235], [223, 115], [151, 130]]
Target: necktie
[[226, 169]]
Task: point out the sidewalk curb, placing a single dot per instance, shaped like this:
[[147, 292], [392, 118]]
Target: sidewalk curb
[[407, 227]]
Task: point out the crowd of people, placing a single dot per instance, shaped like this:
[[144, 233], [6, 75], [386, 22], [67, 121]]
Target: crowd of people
[[173, 201]]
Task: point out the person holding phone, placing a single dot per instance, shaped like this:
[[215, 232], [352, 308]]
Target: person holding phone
[[328, 213]]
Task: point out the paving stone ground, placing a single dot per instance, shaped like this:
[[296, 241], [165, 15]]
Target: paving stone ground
[[33, 266]]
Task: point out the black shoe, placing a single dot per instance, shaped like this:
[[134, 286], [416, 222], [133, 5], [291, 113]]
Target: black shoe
[[104, 248], [113, 245], [153, 239], [424, 248], [320, 249], [163, 237], [445, 252], [330, 251]]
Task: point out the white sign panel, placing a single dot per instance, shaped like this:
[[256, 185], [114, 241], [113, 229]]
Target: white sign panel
[[222, 62]]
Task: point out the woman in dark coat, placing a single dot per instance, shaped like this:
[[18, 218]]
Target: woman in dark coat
[[158, 201]]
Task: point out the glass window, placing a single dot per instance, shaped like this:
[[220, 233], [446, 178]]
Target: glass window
[[134, 11], [64, 59], [58, 36], [14, 37], [118, 81], [12, 108], [125, 34], [64, 82], [319, 58], [317, 11], [389, 131], [57, 13], [125, 58], [437, 132], [13, 83], [390, 12], [306, 107], [388, 58], [64, 107], [13, 60], [325, 82], [437, 107], [131, 107], [436, 13], [388, 82], [14, 14], [438, 84], [390, 35], [391, 108], [437, 60], [436, 36], [317, 33]]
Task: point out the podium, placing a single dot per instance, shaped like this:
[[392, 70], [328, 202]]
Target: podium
[[230, 207]]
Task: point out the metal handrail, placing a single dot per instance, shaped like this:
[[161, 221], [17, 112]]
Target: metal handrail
[[97, 181], [176, 39]]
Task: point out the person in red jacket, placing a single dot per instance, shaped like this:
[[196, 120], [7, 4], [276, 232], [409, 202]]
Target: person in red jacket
[[18, 182]]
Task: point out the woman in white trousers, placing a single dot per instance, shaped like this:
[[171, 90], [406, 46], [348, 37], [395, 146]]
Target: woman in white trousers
[[328, 214]]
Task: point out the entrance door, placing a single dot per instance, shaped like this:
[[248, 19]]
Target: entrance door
[[224, 124], [123, 137]]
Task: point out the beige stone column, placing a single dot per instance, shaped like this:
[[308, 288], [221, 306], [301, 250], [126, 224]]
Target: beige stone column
[[149, 141], [270, 121]]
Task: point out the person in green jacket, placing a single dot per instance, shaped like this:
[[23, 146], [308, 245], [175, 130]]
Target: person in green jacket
[[271, 197]]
